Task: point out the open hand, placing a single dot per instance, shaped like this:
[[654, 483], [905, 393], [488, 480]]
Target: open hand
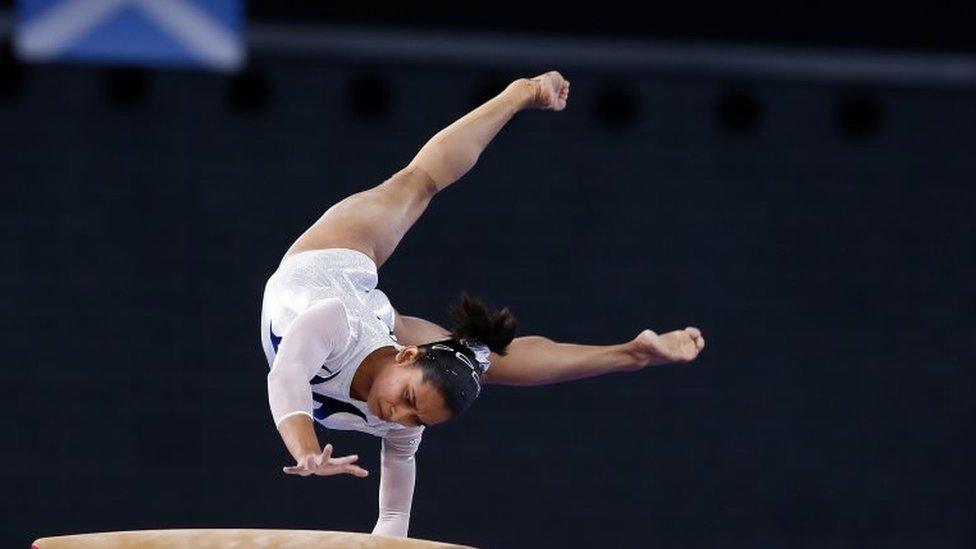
[[324, 464]]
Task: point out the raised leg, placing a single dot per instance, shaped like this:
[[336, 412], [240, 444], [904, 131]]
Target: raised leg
[[372, 221], [375, 220]]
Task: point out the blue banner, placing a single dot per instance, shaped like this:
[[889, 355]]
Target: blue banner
[[201, 33]]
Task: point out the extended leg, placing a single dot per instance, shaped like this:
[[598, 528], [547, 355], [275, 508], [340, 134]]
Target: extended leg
[[374, 221]]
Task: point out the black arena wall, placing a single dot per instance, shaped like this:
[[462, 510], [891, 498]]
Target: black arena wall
[[820, 235]]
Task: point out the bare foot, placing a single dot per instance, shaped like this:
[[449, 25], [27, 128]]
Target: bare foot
[[551, 91], [650, 349]]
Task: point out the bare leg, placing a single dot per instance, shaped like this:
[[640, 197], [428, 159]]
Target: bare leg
[[374, 221], [536, 360]]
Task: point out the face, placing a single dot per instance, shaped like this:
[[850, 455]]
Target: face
[[400, 395]]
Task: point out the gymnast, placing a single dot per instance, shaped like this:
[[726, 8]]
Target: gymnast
[[341, 355]]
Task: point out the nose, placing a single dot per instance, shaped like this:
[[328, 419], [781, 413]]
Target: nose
[[398, 416], [395, 414]]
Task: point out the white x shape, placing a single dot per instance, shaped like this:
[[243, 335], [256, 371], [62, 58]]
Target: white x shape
[[49, 34]]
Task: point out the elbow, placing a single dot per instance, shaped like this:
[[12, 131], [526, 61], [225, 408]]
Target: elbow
[[281, 376], [285, 387], [275, 379]]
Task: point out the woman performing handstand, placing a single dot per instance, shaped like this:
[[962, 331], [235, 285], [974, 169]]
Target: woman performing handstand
[[342, 355]]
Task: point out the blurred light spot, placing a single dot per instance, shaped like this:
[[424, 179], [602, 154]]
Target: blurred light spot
[[126, 88], [249, 92], [371, 97], [860, 116], [11, 72], [616, 107], [739, 111]]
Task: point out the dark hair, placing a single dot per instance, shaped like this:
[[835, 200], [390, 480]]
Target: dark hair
[[452, 376]]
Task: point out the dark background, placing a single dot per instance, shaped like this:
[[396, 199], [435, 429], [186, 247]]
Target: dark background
[[934, 26], [819, 233]]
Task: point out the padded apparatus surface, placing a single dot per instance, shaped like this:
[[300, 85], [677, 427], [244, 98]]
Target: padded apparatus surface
[[236, 538]]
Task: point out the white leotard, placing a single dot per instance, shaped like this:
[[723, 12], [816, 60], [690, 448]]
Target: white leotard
[[322, 315]]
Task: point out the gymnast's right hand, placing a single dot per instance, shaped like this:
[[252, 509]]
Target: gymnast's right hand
[[324, 464]]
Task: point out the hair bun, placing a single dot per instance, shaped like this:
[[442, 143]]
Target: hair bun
[[475, 319]]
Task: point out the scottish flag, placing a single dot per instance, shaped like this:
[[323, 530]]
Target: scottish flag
[[202, 33]]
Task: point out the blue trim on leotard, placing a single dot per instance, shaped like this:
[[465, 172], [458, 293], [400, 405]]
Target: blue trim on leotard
[[331, 406]]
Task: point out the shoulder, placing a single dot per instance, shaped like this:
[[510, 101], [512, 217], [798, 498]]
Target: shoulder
[[325, 306], [329, 315]]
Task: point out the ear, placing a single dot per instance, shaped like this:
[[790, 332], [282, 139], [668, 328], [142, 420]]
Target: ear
[[407, 354]]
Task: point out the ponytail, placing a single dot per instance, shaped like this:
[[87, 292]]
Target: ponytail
[[455, 368], [475, 319]]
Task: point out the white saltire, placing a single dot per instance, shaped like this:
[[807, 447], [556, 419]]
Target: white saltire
[[50, 34]]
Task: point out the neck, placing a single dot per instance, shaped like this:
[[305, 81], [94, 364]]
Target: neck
[[372, 365]]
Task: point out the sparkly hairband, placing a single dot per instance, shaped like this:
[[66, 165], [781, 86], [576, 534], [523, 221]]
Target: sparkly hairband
[[481, 353]]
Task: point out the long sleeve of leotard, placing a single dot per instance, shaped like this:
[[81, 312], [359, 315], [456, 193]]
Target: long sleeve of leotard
[[398, 474], [311, 337]]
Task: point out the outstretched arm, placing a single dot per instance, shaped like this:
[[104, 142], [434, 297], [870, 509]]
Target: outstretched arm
[[536, 360]]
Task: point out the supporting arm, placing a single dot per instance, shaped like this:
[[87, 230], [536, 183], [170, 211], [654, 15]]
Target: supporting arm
[[399, 473]]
